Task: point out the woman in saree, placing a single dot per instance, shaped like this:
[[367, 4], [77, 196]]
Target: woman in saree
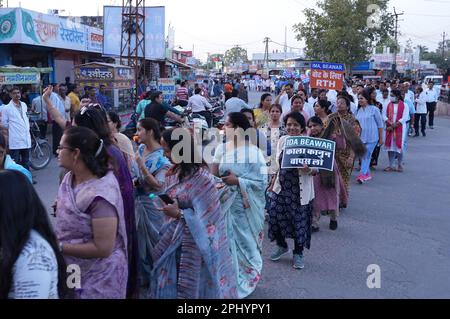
[[350, 128], [329, 188], [148, 172], [90, 223], [192, 260], [242, 167], [94, 117], [262, 113]]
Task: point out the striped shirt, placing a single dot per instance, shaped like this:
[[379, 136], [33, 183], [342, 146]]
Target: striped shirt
[[369, 118], [182, 93]]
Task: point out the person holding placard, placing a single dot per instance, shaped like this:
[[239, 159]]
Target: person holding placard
[[290, 209]]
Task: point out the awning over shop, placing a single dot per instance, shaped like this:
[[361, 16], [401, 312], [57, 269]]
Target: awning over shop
[[179, 64]]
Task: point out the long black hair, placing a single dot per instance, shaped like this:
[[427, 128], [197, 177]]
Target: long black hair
[[92, 149], [21, 211], [187, 163], [115, 118], [263, 98], [365, 94], [398, 94], [95, 119], [150, 124]]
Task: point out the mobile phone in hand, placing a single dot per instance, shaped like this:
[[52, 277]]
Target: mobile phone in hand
[[225, 174], [166, 199]]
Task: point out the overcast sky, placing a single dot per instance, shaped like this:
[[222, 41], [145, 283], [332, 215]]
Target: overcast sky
[[215, 26]]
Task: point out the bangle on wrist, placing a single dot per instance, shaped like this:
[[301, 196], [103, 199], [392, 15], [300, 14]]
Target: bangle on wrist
[[61, 248]]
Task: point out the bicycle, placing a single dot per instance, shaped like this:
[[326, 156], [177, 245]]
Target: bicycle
[[41, 150]]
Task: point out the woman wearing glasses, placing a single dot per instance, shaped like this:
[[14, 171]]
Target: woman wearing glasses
[[96, 120], [90, 223]]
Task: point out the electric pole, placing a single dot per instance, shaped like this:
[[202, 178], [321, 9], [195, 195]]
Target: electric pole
[[443, 45], [266, 55], [394, 65]]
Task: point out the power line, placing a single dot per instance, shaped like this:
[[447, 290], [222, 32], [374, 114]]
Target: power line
[[294, 48]]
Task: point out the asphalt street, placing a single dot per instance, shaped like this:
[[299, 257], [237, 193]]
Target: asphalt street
[[398, 221]]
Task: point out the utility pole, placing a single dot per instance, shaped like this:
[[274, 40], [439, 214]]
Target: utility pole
[[443, 45], [266, 54], [394, 65], [285, 43]]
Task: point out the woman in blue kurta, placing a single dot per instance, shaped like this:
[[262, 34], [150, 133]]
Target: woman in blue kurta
[[192, 260], [243, 169]]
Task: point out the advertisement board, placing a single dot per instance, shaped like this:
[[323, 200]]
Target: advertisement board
[[155, 47], [29, 27], [167, 87]]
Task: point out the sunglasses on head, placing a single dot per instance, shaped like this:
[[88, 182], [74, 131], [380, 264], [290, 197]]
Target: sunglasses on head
[[92, 106]]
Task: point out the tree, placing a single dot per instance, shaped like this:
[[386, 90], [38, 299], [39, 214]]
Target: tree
[[409, 46], [235, 55], [423, 50], [344, 31]]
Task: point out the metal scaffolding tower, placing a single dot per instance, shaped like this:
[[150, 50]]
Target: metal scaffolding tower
[[132, 50]]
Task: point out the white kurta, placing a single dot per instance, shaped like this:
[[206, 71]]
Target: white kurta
[[403, 120]]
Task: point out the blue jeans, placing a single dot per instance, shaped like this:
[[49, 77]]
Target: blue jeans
[[365, 160]]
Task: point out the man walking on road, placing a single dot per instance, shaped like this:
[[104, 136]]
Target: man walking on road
[[15, 120], [431, 99]]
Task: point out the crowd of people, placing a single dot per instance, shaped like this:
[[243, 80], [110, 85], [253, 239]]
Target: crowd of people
[[158, 219]]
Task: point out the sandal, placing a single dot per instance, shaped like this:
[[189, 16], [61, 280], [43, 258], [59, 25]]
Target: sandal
[[400, 169], [389, 169]]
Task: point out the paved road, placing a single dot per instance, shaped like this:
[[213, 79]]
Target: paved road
[[399, 221]]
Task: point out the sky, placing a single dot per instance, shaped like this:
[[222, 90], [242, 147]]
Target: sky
[[212, 26]]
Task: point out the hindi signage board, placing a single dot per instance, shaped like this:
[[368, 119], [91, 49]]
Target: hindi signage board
[[304, 150], [329, 76], [29, 27], [11, 78], [167, 87]]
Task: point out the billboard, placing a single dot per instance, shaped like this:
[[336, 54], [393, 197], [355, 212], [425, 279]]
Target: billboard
[[29, 27], [155, 46]]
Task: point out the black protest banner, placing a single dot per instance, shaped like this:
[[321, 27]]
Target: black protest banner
[[304, 150]]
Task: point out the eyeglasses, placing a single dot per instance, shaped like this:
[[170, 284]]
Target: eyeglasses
[[60, 148]]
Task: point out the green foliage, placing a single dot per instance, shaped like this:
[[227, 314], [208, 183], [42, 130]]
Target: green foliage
[[343, 30], [235, 55]]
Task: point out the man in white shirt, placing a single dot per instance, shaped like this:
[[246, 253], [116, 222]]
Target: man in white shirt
[[385, 98], [314, 97], [65, 100], [431, 99], [308, 108], [284, 99], [421, 111], [354, 92], [234, 104], [408, 93], [200, 105], [332, 96], [57, 131], [38, 105], [15, 120]]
